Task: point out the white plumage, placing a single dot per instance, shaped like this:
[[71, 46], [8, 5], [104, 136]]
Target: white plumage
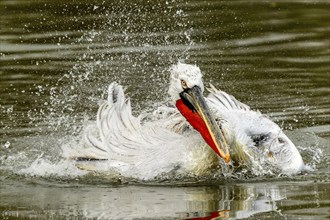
[[257, 134], [136, 150], [168, 144]]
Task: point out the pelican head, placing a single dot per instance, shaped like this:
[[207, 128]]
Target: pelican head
[[186, 90], [184, 73]]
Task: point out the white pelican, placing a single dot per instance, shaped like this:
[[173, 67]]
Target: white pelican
[[121, 142]]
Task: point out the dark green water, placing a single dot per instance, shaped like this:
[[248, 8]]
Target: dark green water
[[57, 58]]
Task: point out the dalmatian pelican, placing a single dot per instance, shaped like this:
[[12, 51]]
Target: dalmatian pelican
[[191, 137]]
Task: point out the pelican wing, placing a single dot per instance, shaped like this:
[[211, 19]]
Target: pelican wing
[[240, 118], [119, 136], [226, 101], [240, 123]]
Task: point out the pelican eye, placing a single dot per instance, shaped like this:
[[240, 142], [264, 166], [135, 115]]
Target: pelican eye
[[184, 84]]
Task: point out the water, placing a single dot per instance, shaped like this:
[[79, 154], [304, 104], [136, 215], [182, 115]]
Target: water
[[57, 57]]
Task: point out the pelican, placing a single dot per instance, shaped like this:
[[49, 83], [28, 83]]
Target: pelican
[[194, 136]]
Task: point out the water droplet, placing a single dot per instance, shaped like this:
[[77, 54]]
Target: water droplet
[[10, 109], [6, 145]]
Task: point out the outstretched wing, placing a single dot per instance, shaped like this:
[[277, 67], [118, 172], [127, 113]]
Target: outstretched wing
[[119, 136]]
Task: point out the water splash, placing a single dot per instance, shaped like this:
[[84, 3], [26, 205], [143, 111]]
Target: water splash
[[121, 46], [45, 168], [143, 44], [120, 49]]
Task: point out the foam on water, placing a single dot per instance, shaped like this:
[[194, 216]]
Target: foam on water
[[48, 163], [47, 169]]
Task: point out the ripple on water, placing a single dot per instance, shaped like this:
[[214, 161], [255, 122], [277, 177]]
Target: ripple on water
[[272, 56]]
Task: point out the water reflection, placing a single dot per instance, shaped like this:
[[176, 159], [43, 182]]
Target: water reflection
[[273, 200], [128, 202]]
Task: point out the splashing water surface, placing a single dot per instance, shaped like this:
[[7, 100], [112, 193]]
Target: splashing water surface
[[57, 60]]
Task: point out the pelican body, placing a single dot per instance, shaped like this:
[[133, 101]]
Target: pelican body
[[192, 137]]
